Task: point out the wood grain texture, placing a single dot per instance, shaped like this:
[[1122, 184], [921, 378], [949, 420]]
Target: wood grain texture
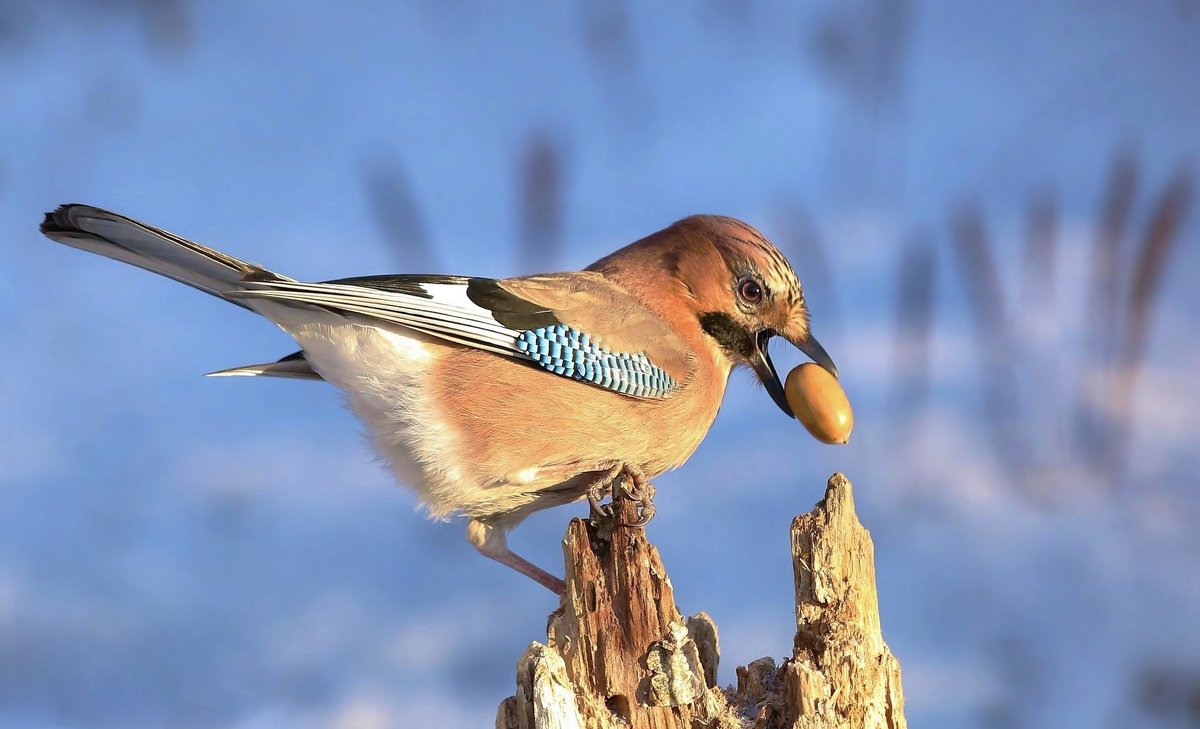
[[619, 653]]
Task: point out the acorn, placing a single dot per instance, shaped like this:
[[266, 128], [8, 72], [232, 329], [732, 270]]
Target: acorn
[[820, 403]]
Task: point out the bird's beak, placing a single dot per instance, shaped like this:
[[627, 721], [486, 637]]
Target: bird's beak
[[765, 368], [817, 353]]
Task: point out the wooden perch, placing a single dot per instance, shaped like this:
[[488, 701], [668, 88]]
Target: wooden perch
[[619, 654]]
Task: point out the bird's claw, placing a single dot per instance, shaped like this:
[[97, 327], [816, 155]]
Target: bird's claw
[[596, 508], [640, 491], [645, 514], [596, 493]]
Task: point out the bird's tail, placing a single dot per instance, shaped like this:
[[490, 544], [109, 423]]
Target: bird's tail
[[145, 246]]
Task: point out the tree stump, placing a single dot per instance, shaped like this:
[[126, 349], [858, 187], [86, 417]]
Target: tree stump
[[619, 653]]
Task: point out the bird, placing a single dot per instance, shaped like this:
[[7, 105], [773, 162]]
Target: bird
[[497, 398]]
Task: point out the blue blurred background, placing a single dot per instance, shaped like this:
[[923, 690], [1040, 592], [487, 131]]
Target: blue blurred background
[[991, 206]]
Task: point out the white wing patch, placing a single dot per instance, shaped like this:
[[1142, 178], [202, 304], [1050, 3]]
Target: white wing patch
[[447, 313]]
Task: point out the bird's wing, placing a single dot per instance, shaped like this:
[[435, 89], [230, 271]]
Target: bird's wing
[[588, 301], [577, 325]]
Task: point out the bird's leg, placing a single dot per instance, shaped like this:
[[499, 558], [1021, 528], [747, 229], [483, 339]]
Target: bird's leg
[[600, 488], [639, 490], [492, 543]]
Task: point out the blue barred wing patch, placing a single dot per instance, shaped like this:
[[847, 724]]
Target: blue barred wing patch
[[568, 352]]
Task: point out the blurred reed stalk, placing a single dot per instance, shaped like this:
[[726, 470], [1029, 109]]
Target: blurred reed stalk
[[606, 35], [1041, 252], [1158, 240], [985, 301], [395, 208], [864, 47], [1039, 311], [167, 25], [891, 43], [914, 322], [540, 182], [1118, 316], [1101, 311], [807, 248]]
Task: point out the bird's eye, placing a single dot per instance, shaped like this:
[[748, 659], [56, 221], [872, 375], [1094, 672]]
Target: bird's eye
[[749, 290]]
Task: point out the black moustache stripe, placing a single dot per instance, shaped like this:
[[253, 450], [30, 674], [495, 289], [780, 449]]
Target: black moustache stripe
[[733, 337]]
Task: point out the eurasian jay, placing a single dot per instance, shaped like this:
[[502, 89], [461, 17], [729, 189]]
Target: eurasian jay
[[494, 399]]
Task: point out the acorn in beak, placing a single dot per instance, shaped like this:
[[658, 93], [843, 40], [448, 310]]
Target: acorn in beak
[[765, 369]]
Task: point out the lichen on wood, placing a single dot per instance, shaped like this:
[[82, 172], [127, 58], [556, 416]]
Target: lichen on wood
[[619, 653]]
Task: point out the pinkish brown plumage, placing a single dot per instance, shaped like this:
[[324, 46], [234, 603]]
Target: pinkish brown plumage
[[447, 373]]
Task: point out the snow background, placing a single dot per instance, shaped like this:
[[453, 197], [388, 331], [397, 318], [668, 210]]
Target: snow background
[[179, 551]]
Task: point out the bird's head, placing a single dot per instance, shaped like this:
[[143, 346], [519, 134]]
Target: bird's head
[[743, 293]]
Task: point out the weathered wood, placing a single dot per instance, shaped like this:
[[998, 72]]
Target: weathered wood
[[841, 674], [619, 654]]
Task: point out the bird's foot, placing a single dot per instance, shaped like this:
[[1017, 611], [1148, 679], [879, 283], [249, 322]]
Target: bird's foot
[[639, 490], [633, 486], [600, 489]]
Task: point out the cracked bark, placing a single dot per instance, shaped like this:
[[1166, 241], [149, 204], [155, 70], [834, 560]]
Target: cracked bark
[[619, 653]]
